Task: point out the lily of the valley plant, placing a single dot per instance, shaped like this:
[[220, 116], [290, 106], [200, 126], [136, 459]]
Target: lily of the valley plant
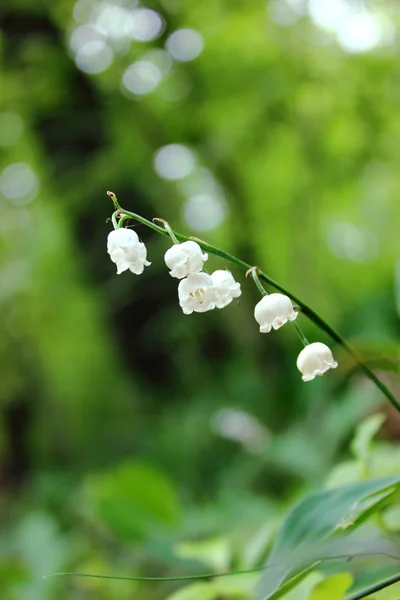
[[199, 291]]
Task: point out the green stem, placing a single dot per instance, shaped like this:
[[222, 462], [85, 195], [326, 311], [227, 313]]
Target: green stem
[[376, 587], [122, 219], [181, 578], [300, 333], [258, 283], [114, 220], [167, 227], [305, 309]]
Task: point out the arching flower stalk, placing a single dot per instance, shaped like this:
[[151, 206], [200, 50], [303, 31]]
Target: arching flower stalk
[[305, 309]]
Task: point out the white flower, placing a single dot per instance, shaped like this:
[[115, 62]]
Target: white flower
[[274, 311], [196, 293], [226, 288], [185, 259], [127, 251], [314, 360]]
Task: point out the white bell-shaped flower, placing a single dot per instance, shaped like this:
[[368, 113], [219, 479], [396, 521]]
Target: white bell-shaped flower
[[273, 311], [315, 359], [226, 288], [185, 259], [127, 251], [196, 293]]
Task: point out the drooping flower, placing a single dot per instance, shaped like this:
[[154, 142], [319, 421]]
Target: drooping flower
[[185, 259], [196, 293], [127, 251], [273, 311], [226, 288], [315, 359]]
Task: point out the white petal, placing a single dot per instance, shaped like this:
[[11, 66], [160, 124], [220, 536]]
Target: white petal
[[121, 237], [315, 359], [274, 310], [184, 259], [127, 251], [196, 293], [226, 287]]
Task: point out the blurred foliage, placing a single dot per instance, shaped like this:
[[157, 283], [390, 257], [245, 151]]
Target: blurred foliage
[[117, 451]]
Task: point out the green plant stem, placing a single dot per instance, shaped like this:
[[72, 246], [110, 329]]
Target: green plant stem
[[305, 309], [168, 228], [258, 283], [376, 587], [178, 578], [300, 333], [114, 221], [122, 219]]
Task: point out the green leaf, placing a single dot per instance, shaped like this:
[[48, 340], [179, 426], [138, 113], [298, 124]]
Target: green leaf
[[300, 541], [322, 513], [133, 499], [332, 588], [361, 444]]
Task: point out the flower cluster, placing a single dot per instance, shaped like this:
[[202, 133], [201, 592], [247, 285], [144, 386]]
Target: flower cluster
[[200, 292]]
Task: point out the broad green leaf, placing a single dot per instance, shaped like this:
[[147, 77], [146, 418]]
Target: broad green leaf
[[133, 499], [293, 582], [332, 588], [313, 520], [322, 513]]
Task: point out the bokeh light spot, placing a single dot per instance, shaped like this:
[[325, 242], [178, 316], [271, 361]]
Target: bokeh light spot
[[359, 33], [174, 161], [241, 427], [94, 57], [19, 183], [357, 28], [83, 35], [185, 44], [112, 20], [204, 212], [145, 25], [348, 242], [142, 77]]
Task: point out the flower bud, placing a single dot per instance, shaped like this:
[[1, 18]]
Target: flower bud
[[315, 359], [196, 293], [185, 259], [226, 288], [126, 251], [273, 311]]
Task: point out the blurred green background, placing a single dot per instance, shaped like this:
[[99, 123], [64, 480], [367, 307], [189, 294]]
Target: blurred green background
[[126, 428]]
